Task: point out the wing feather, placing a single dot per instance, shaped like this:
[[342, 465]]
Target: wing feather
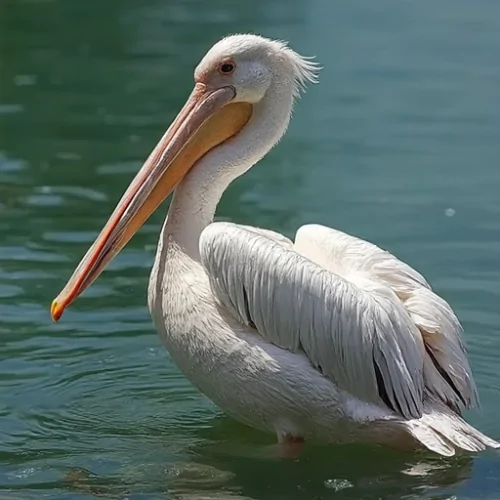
[[358, 334], [447, 372]]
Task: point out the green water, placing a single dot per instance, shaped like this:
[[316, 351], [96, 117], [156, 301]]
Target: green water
[[398, 144]]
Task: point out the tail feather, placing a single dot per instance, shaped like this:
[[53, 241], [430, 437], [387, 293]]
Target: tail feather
[[444, 432], [432, 440]]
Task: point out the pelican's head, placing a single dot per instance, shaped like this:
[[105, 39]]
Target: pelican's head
[[250, 63], [230, 81]]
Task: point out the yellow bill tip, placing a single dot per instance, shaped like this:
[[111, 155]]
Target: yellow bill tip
[[56, 310]]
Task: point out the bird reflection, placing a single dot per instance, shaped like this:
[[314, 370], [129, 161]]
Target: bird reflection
[[322, 472]]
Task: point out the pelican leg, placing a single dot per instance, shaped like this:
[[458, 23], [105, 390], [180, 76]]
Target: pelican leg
[[290, 446]]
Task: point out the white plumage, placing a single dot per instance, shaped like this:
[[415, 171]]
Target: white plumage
[[328, 337], [343, 302]]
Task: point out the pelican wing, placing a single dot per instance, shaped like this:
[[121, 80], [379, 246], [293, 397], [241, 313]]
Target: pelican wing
[[447, 373], [359, 335], [273, 235]]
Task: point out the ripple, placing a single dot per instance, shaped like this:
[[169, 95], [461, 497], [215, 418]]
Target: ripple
[[69, 236], [98, 290], [11, 109], [68, 156], [11, 164], [198, 476], [80, 192], [131, 167], [24, 80], [24, 274], [134, 259], [338, 484], [134, 138], [45, 200], [10, 253], [23, 473], [10, 291]]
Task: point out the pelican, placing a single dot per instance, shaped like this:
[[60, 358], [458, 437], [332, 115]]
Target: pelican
[[328, 337]]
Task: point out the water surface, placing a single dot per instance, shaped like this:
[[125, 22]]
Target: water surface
[[398, 144]]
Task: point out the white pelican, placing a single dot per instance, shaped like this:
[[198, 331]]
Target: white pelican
[[327, 337]]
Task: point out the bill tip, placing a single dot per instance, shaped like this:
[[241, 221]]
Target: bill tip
[[56, 310]]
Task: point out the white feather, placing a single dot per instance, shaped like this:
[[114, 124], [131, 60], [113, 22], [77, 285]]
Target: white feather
[[361, 337], [447, 372]]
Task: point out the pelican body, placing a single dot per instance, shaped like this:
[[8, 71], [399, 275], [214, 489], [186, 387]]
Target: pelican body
[[327, 337]]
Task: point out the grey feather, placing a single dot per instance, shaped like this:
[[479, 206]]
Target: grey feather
[[296, 304]]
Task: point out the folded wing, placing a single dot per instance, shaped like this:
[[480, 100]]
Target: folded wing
[[358, 333], [447, 373]]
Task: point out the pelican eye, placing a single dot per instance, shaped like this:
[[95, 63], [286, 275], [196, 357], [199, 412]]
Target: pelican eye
[[227, 67]]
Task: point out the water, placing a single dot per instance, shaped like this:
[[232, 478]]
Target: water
[[398, 144]]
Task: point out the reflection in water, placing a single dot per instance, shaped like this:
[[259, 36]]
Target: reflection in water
[[402, 129], [344, 472], [348, 471]]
